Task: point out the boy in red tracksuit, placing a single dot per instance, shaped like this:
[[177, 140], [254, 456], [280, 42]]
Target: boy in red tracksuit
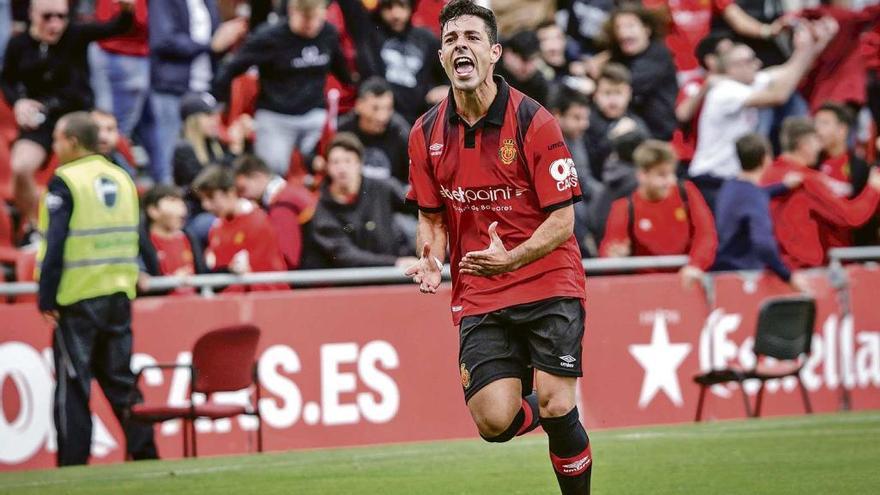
[[663, 216], [166, 249], [800, 217], [241, 240]]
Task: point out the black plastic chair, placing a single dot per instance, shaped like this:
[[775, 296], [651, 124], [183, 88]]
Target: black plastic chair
[[784, 332]]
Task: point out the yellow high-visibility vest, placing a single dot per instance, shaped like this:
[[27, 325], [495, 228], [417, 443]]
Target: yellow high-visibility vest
[[100, 253]]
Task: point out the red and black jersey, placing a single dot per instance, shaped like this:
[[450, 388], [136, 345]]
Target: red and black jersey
[[511, 167]]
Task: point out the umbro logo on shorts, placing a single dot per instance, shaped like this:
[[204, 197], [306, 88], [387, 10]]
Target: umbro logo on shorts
[[567, 361]]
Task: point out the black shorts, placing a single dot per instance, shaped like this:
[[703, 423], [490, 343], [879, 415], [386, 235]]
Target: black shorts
[[505, 343]]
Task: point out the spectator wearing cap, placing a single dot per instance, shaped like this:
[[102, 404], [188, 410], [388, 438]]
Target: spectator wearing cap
[[294, 59], [383, 132], [389, 46], [611, 108], [519, 66], [289, 205], [353, 225], [742, 216], [185, 38], [846, 174], [801, 217], [636, 42], [199, 146], [46, 75]]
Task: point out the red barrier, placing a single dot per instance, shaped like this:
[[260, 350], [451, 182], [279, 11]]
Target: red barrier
[[379, 364]]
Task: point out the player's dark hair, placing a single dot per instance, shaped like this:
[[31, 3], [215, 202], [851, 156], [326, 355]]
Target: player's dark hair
[[841, 112], [82, 127], [653, 153], [795, 129], [213, 178], [159, 192], [250, 164], [458, 8], [615, 74], [348, 142], [374, 86], [752, 149], [564, 98]]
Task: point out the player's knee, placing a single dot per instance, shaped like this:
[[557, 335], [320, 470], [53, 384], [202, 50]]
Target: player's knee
[[555, 406], [495, 428]]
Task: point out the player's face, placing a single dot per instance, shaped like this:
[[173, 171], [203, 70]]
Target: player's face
[[575, 121], [657, 182], [830, 131], [612, 99], [633, 37], [108, 132], [49, 20], [374, 112], [466, 53]]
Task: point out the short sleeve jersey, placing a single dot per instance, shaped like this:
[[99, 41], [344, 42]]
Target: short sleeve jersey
[[511, 167]]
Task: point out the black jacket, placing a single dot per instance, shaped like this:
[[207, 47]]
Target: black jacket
[[407, 60], [293, 70], [385, 155], [654, 88], [56, 75], [359, 234]]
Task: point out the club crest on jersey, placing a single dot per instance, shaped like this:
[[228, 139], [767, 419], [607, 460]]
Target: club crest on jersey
[[107, 190], [465, 376], [507, 151]]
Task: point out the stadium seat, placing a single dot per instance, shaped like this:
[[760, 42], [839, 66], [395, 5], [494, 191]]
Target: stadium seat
[[25, 265], [212, 371], [784, 333]]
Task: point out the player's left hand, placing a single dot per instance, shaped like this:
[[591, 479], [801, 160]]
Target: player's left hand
[[491, 261]]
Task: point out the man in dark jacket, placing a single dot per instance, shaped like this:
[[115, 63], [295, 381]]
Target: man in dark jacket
[[46, 75], [388, 45], [353, 225], [294, 58], [185, 37]]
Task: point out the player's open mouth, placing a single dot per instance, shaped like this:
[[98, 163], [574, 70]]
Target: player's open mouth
[[463, 66]]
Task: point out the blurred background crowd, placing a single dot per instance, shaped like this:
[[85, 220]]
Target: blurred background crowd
[[271, 135]]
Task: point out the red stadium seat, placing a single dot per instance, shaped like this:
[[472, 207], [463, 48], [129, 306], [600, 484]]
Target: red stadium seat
[[25, 264], [212, 371], [784, 333], [8, 133]]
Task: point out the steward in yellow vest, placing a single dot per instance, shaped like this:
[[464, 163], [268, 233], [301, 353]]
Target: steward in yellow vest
[[87, 271]]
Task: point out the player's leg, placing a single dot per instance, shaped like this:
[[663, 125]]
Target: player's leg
[[569, 444], [26, 158], [555, 328], [492, 364]]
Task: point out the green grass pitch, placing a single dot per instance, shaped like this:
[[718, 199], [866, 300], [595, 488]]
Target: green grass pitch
[[833, 454]]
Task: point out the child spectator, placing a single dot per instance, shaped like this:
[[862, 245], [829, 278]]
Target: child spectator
[[354, 221], [289, 205], [846, 173], [637, 44], [663, 216], [611, 103], [166, 249], [745, 230], [383, 132], [800, 217], [294, 59], [242, 239]]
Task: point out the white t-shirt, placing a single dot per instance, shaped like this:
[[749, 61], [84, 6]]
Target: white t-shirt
[[724, 119], [200, 32]]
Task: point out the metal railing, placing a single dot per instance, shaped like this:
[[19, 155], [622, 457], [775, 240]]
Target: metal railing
[[355, 276]]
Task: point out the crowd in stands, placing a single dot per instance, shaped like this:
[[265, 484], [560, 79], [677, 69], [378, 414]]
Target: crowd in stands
[[271, 135]]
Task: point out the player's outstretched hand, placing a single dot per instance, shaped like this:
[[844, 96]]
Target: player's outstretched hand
[[491, 261], [426, 271]]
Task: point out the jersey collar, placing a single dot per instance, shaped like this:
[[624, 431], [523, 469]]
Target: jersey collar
[[495, 115]]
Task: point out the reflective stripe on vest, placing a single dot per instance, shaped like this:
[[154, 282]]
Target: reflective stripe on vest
[[100, 252]]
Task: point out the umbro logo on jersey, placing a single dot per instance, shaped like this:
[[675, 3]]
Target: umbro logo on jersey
[[436, 149]]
